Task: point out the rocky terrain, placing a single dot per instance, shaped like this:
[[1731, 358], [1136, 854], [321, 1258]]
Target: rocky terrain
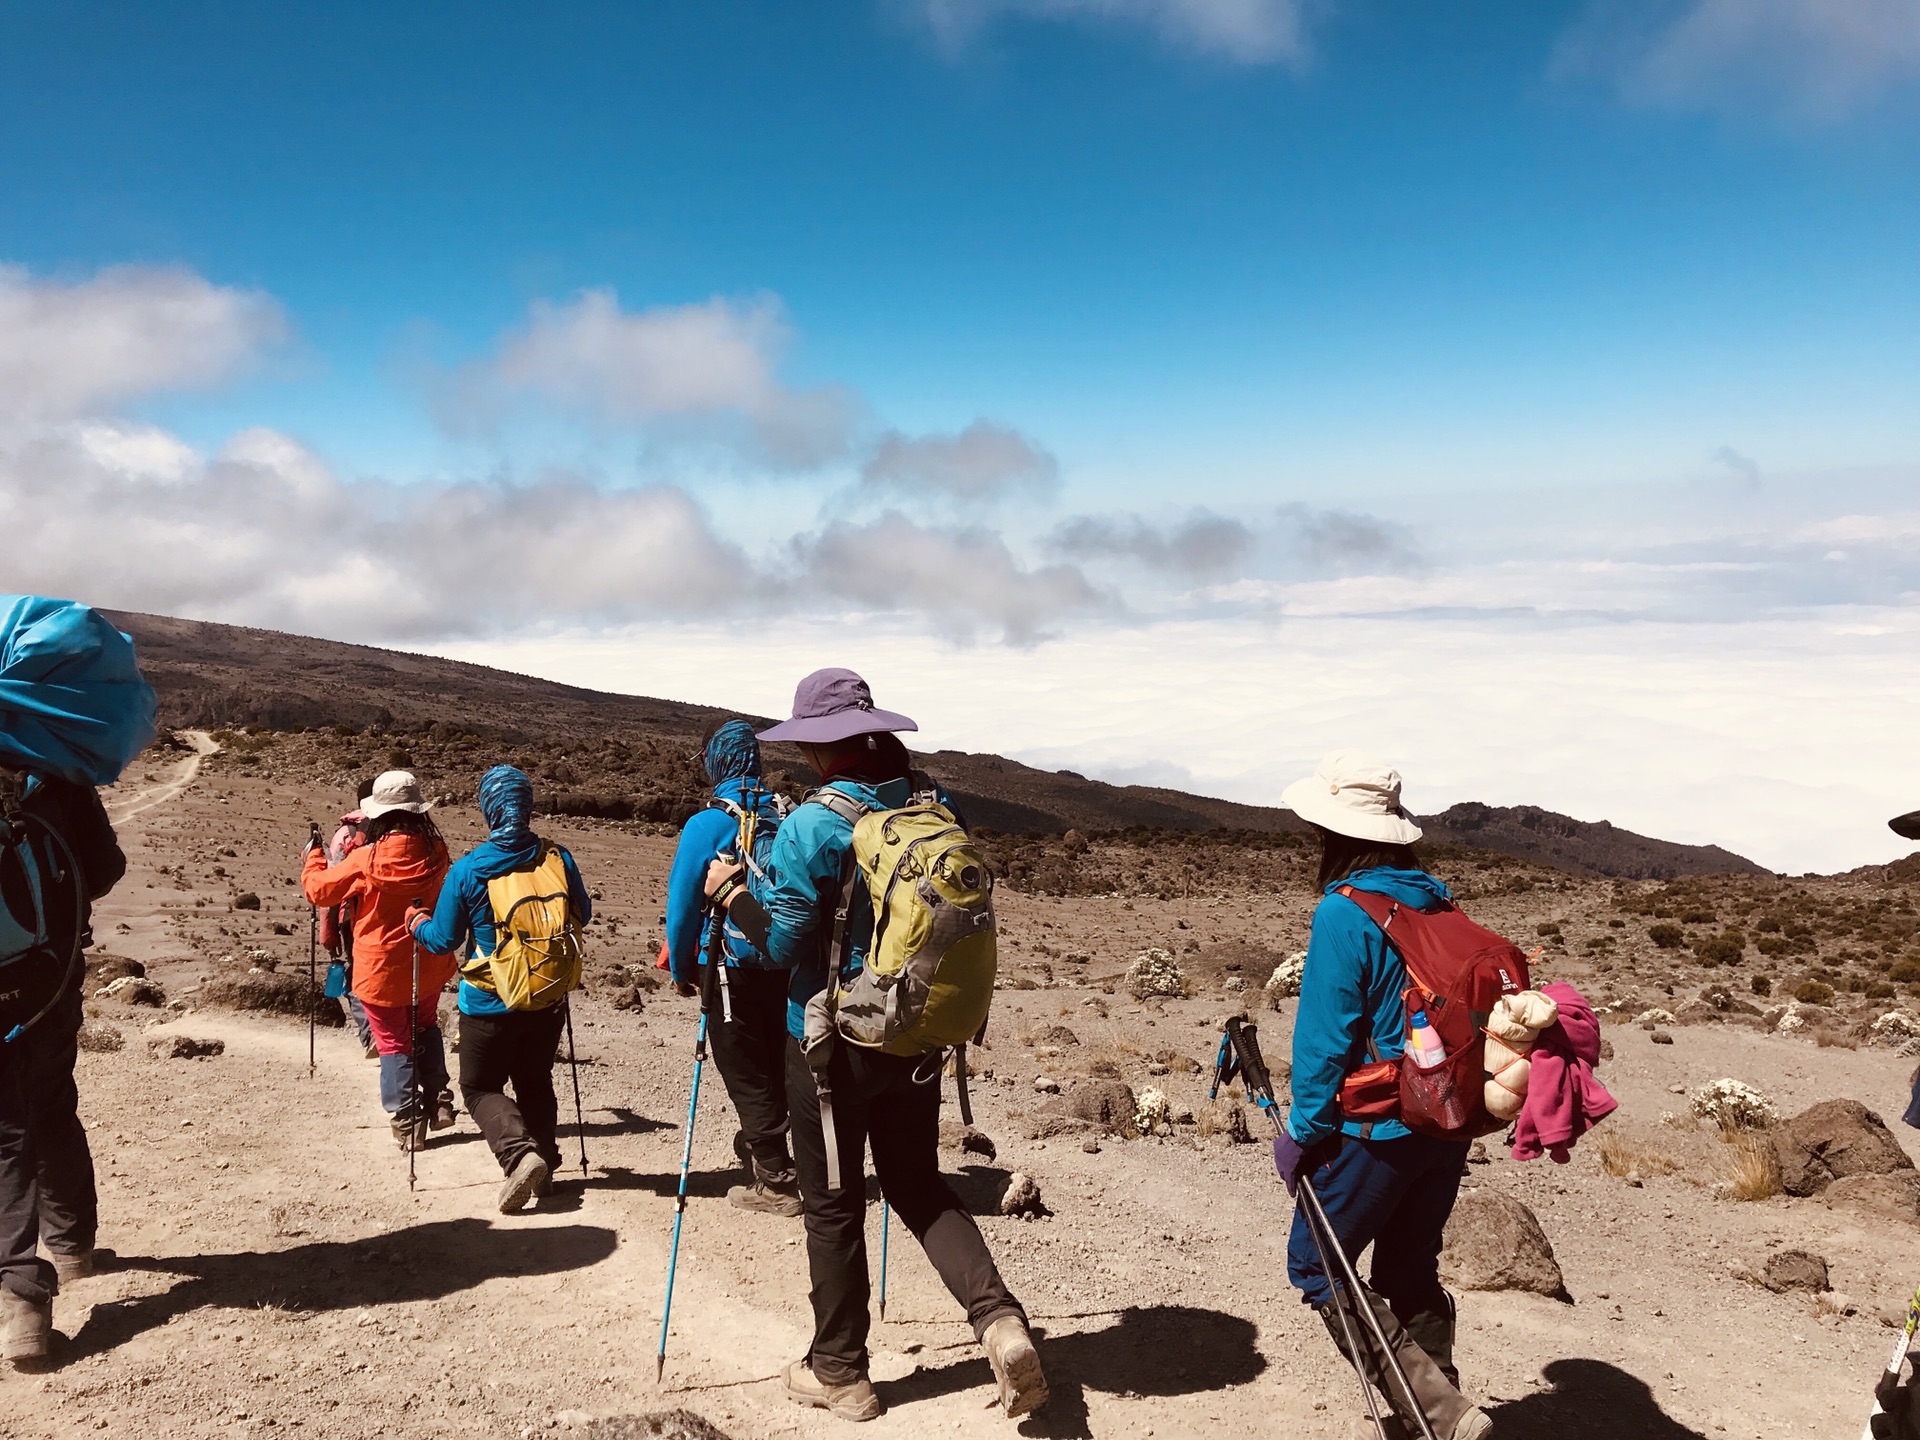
[[276, 1275]]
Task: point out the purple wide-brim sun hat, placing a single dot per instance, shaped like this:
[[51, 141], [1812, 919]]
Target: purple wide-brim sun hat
[[832, 705]]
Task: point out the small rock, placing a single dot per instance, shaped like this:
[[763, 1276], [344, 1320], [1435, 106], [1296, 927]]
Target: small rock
[[99, 1037], [1837, 1302], [955, 1135], [1606, 1049], [1107, 1104], [1052, 1126], [1493, 1242], [1022, 1197], [1092, 1147], [1795, 1270], [183, 1047], [1661, 1037], [1236, 1127], [133, 990], [1175, 1061], [629, 998], [1046, 1085], [1156, 1068], [1055, 1035], [1477, 1155]]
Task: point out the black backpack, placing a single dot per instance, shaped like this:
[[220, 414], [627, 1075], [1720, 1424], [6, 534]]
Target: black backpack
[[42, 911]]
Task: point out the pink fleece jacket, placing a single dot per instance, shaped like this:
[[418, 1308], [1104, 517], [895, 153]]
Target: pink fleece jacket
[[1564, 1100]]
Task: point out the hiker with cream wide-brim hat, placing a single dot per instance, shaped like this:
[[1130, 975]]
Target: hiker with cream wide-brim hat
[[394, 790], [1353, 794]]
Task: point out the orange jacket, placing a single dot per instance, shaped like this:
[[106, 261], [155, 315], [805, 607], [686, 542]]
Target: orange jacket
[[382, 880]]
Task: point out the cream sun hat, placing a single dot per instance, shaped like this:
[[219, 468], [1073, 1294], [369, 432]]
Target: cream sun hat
[[394, 790], [1353, 794]]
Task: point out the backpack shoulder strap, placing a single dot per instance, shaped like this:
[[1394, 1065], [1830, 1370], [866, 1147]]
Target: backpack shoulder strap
[[840, 803], [720, 802]]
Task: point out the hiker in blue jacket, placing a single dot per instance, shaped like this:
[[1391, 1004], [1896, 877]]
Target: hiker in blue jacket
[[892, 1101], [1380, 1183], [499, 1046], [747, 1024]]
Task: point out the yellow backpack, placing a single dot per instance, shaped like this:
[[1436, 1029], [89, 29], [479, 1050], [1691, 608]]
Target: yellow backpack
[[537, 953]]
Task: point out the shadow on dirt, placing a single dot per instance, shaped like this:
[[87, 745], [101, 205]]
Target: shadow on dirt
[[704, 1184], [1589, 1398], [1159, 1350], [421, 1262]]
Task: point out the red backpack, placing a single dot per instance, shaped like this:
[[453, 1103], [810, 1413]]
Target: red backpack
[[1456, 971]]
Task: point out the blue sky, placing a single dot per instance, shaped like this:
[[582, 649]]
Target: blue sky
[[1391, 297]]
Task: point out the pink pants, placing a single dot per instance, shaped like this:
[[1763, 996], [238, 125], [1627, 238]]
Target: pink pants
[[388, 1023]]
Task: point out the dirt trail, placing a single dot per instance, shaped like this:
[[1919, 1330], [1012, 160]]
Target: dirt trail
[[277, 1275], [180, 775]]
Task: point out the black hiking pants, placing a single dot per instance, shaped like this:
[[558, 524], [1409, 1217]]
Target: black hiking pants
[[516, 1048], [750, 1052], [877, 1101], [47, 1193]]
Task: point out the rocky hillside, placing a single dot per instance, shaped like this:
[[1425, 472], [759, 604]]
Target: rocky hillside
[[356, 709]]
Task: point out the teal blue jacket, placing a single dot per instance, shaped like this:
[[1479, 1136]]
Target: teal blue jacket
[[802, 890], [1352, 990]]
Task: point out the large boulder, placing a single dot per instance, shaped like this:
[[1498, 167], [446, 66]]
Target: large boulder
[[1833, 1139], [1883, 1197], [273, 993], [1493, 1242]]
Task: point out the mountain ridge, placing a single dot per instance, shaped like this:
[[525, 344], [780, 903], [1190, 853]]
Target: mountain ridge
[[632, 756]]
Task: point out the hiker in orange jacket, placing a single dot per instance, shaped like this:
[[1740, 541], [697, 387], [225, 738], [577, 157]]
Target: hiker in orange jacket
[[402, 864]]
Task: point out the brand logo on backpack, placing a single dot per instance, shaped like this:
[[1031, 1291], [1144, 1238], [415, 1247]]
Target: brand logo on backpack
[[537, 955]]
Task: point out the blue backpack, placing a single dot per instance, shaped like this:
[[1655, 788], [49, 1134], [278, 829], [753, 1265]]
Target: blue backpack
[[73, 704]]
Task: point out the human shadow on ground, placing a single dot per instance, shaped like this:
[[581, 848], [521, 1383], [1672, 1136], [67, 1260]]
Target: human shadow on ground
[[701, 1184], [1158, 1350], [422, 1262], [1589, 1398], [979, 1187]]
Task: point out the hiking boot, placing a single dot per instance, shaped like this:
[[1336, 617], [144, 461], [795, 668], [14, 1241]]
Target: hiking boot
[[1016, 1365], [855, 1401], [443, 1111], [1449, 1412], [523, 1182], [408, 1134], [71, 1265], [26, 1331], [769, 1194]]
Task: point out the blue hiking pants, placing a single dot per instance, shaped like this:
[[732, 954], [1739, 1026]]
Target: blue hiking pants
[[1395, 1195]]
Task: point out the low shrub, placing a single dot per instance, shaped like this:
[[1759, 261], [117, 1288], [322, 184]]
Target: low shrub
[[1761, 985], [1814, 992], [1733, 1105], [1667, 937]]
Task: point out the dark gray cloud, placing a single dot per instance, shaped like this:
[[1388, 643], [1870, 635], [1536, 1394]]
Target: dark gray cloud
[[965, 575], [1345, 542], [982, 463], [1203, 546]]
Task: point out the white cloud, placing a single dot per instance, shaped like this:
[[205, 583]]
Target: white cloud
[[1785, 740], [1248, 32], [704, 371], [70, 349], [1813, 60], [982, 463]]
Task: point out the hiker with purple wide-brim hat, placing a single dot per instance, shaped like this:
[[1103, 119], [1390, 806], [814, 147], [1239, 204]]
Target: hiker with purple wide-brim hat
[[887, 1096]]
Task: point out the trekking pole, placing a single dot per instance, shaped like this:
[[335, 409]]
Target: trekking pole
[[886, 1219], [573, 1063], [680, 1202], [1240, 1055], [413, 1067], [313, 959], [1893, 1366]]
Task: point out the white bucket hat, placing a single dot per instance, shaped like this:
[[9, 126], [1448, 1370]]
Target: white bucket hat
[[394, 790], [1353, 794]]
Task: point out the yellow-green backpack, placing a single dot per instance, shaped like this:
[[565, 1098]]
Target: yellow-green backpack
[[536, 957], [927, 980]]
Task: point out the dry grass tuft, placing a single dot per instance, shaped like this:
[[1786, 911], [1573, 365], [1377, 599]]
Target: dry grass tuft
[[1622, 1157], [1753, 1173], [1829, 1037]]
